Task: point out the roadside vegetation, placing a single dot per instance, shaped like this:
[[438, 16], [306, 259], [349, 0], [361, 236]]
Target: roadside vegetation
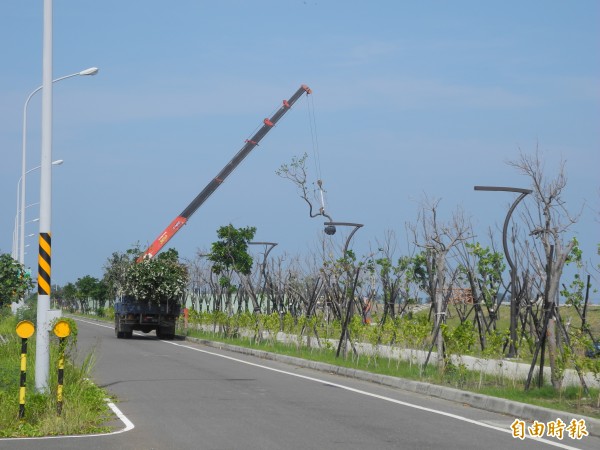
[[259, 332], [84, 410]]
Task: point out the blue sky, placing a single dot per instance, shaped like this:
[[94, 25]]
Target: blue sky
[[411, 99]]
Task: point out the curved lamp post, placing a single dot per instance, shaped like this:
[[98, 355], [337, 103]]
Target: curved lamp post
[[512, 351], [19, 232], [330, 229], [86, 72]]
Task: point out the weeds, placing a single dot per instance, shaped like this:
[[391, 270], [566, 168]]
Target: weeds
[[84, 409]]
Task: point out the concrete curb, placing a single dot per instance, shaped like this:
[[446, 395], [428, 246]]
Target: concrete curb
[[515, 409]]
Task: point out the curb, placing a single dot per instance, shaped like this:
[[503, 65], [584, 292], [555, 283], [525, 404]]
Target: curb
[[512, 408]]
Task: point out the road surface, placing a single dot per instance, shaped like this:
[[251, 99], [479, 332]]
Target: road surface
[[181, 396]]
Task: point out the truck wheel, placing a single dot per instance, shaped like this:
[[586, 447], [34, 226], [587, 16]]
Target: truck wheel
[[162, 335]]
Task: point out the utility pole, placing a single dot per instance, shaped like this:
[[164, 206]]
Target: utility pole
[[42, 360]]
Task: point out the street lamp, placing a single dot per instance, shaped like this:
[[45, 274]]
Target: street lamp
[[512, 350], [86, 72], [330, 229], [18, 235]]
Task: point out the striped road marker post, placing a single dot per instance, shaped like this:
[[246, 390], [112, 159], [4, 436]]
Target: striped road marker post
[[62, 330], [25, 330]]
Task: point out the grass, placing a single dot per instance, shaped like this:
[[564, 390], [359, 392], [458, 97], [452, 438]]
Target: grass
[[84, 409]]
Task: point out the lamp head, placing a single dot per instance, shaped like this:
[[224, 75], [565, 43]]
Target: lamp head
[[90, 71], [330, 230], [58, 162]]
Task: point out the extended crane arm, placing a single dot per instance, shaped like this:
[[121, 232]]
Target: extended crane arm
[[212, 186]]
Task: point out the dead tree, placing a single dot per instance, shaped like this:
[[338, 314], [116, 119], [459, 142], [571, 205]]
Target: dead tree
[[548, 220], [437, 239]]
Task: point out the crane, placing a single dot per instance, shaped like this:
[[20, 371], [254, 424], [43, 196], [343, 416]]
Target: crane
[[179, 221]]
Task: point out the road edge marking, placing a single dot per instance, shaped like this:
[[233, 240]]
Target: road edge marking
[[122, 417], [377, 396]]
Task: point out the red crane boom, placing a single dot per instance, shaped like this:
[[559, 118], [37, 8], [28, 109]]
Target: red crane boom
[[212, 186]]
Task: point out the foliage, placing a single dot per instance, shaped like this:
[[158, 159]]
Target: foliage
[[489, 268], [418, 270], [230, 253], [14, 280], [115, 271], [89, 287], [574, 293], [460, 339], [157, 279]]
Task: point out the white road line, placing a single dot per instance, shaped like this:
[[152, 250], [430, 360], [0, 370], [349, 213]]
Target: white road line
[[370, 394], [361, 392]]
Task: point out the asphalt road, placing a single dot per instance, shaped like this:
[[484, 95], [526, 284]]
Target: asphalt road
[[185, 396]]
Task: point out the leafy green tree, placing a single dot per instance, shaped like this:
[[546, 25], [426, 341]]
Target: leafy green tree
[[230, 253], [489, 266], [90, 289], [575, 292], [14, 280], [419, 271], [69, 292]]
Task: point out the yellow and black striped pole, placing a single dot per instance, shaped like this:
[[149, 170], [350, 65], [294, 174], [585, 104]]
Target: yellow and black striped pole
[[62, 329], [42, 358], [44, 264], [23, 379], [25, 330], [61, 370]]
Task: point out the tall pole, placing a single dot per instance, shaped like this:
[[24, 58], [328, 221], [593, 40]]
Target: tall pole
[[42, 360], [512, 349], [330, 229]]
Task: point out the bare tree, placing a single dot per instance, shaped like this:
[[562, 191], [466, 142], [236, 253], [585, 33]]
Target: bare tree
[[438, 238], [548, 220], [296, 172]]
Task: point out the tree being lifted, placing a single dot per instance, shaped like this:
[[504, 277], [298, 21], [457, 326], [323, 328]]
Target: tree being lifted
[[151, 292], [296, 172]]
